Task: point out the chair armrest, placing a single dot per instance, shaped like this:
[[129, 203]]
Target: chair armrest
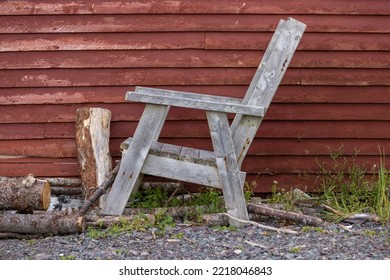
[[193, 100]]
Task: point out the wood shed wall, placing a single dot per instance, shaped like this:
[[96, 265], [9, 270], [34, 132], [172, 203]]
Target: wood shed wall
[[57, 56]]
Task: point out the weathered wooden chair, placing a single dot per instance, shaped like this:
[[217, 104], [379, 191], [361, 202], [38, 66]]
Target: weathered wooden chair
[[220, 168]]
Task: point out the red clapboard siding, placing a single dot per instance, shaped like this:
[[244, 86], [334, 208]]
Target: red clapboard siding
[[120, 77], [188, 23], [310, 41], [285, 94], [132, 112], [57, 56], [198, 129], [58, 148], [184, 58], [99, 41], [187, 40], [194, 7]]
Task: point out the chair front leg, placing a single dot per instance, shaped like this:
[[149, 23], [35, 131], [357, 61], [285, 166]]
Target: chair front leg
[[129, 175]]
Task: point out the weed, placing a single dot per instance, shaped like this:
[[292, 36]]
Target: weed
[[295, 250], [369, 232], [67, 258], [225, 228], [139, 223], [310, 228], [347, 188], [180, 235], [285, 198]]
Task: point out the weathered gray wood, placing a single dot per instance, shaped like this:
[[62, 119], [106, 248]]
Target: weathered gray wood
[[245, 127], [188, 154], [129, 176], [154, 96], [181, 170], [177, 152], [225, 157]]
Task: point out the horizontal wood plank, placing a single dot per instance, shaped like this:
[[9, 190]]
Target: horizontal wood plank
[[101, 41], [46, 7], [121, 77], [285, 94], [132, 112], [188, 23], [185, 58], [261, 146], [187, 40], [198, 129], [310, 41]]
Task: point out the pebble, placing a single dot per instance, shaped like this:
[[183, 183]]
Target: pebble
[[200, 242]]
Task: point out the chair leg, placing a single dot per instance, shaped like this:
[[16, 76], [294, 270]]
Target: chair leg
[[129, 175], [231, 177]]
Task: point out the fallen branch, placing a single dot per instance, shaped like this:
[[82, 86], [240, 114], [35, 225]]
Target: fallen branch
[[292, 216], [260, 225], [99, 191]]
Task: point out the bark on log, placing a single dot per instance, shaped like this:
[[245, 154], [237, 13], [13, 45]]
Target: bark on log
[[59, 190], [64, 182], [92, 139], [292, 216], [24, 194], [42, 224]]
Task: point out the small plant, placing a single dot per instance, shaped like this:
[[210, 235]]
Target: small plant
[[225, 228], [307, 229], [138, 223], [67, 258], [349, 190], [369, 232], [295, 250], [179, 235], [285, 198]]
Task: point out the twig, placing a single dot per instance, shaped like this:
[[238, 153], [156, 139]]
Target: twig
[[172, 195], [99, 191], [260, 225]]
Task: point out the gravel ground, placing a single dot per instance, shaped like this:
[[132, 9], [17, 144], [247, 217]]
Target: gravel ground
[[368, 241]]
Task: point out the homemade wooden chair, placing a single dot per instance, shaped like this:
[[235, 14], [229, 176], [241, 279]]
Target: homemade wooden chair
[[142, 154]]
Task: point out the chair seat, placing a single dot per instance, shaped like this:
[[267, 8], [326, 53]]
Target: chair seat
[[187, 154]]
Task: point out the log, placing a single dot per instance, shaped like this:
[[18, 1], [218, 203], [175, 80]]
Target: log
[[42, 224], [64, 182], [24, 194], [292, 216], [92, 140]]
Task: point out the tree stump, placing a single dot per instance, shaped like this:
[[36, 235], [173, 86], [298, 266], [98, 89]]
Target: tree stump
[[24, 194], [92, 138]]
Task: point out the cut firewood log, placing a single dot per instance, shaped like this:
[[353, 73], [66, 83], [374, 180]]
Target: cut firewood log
[[43, 223], [64, 182], [92, 139], [24, 194]]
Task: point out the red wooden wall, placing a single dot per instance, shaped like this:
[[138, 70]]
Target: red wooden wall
[[57, 56]]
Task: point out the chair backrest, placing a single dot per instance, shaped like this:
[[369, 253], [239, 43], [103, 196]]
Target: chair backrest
[[265, 82]]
